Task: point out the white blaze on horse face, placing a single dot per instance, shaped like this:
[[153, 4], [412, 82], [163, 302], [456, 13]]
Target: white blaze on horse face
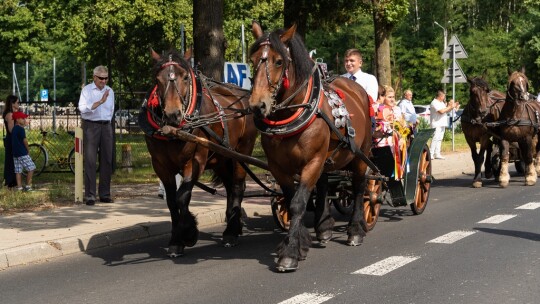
[[261, 100]]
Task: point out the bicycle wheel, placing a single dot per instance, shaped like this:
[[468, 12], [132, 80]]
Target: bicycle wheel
[[71, 160], [39, 156]]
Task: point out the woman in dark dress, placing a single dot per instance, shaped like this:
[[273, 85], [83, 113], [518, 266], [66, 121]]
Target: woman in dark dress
[[12, 105]]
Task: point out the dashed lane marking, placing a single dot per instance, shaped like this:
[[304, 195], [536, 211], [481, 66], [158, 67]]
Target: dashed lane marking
[[308, 298], [530, 206], [387, 265], [452, 237], [497, 219]]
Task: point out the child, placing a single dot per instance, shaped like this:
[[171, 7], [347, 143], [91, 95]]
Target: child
[[21, 158]]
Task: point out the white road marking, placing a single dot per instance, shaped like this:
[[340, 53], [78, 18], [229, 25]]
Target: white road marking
[[497, 219], [530, 206], [308, 298], [452, 237], [385, 266]]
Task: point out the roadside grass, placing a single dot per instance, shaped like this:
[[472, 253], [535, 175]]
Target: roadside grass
[[56, 189]]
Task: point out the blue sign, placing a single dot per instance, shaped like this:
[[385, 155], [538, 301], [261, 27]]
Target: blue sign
[[238, 73], [44, 95]]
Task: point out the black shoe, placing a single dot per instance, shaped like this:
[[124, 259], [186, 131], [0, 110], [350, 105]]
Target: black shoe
[[105, 200], [90, 202]]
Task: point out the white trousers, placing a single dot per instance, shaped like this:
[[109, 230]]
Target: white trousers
[[436, 142], [161, 190]]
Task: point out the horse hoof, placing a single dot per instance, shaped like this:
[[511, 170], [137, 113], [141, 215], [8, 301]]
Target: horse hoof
[[530, 183], [175, 251], [503, 184], [477, 184], [354, 240], [287, 264], [229, 241], [324, 237]]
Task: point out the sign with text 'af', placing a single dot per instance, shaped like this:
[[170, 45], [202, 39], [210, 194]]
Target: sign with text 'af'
[[237, 73], [44, 95]]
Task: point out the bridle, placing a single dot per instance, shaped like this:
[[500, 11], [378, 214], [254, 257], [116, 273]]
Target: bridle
[[522, 94]]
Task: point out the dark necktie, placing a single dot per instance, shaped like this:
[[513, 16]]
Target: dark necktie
[[352, 77]]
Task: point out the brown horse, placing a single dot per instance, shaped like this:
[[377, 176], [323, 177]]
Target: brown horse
[[520, 118], [204, 108], [483, 107], [302, 138]]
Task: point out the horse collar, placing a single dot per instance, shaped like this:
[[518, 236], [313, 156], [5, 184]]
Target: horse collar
[[302, 117]]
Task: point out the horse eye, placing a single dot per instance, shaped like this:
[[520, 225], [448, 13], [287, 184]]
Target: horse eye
[[186, 78], [279, 63]]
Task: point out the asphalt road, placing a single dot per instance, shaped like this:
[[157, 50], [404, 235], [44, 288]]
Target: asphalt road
[[470, 246]]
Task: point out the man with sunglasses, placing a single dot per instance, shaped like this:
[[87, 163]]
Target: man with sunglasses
[[96, 105]]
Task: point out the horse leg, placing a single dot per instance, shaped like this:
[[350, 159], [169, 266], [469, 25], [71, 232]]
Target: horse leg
[[296, 244], [478, 160], [504, 176], [235, 186], [527, 156], [488, 167], [324, 222], [537, 155], [357, 228], [176, 248]]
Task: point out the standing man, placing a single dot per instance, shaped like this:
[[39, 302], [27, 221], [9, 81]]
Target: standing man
[[438, 120], [353, 65], [407, 108], [96, 105]]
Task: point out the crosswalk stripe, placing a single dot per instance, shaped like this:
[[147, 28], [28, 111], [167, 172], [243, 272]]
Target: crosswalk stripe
[[385, 266], [308, 298], [452, 237], [530, 206], [497, 219]]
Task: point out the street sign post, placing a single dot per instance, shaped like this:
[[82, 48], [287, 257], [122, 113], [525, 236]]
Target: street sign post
[[454, 74]]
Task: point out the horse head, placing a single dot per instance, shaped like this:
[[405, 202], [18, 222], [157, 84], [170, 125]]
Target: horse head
[[174, 80], [518, 87], [479, 97], [278, 68]]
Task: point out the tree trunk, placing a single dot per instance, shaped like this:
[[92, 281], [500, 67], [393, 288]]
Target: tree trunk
[[382, 48], [209, 38], [295, 11]]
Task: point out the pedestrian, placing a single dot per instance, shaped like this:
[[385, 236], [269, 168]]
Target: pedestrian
[[438, 120], [353, 65], [21, 159], [12, 106], [96, 105], [407, 108]]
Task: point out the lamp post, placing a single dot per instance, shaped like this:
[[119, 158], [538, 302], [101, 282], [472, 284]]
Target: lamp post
[[445, 32]]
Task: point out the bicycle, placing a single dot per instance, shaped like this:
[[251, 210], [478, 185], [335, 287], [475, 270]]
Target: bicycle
[[41, 152]]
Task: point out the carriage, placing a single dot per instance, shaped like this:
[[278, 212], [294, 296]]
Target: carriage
[[315, 132]]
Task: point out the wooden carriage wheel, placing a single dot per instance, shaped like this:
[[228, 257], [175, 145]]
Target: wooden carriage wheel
[[372, 203], [423, 184], [280, 212]]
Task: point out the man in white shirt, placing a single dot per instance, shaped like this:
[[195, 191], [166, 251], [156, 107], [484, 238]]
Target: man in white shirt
[[438, 120], [353, 65], [407, 108], [96, 105]]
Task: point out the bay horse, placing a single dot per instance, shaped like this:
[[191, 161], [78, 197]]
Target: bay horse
[[520, 121], [189, 101], [306, 132], [484, 106]]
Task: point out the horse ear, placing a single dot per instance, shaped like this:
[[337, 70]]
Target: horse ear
[[256, 29], [469, 80], [288, 34], [155, 55], [188, 53], [522, 69], [484, 74], [509, 71]]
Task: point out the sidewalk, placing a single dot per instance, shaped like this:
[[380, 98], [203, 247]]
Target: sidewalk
[[38, 236]]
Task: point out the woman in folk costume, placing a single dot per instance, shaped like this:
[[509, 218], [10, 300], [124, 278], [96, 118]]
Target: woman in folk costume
[[391, 123]]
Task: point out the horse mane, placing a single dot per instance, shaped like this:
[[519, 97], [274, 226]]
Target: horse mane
[[295, 47], [480, 82], [176, 57]]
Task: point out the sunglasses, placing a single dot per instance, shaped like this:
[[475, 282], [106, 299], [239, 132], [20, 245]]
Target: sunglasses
[[102, 78]]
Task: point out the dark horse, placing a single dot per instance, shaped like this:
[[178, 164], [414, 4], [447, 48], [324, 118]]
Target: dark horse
[[198, 105], [484, 106], [520, 118], [302, 138]]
